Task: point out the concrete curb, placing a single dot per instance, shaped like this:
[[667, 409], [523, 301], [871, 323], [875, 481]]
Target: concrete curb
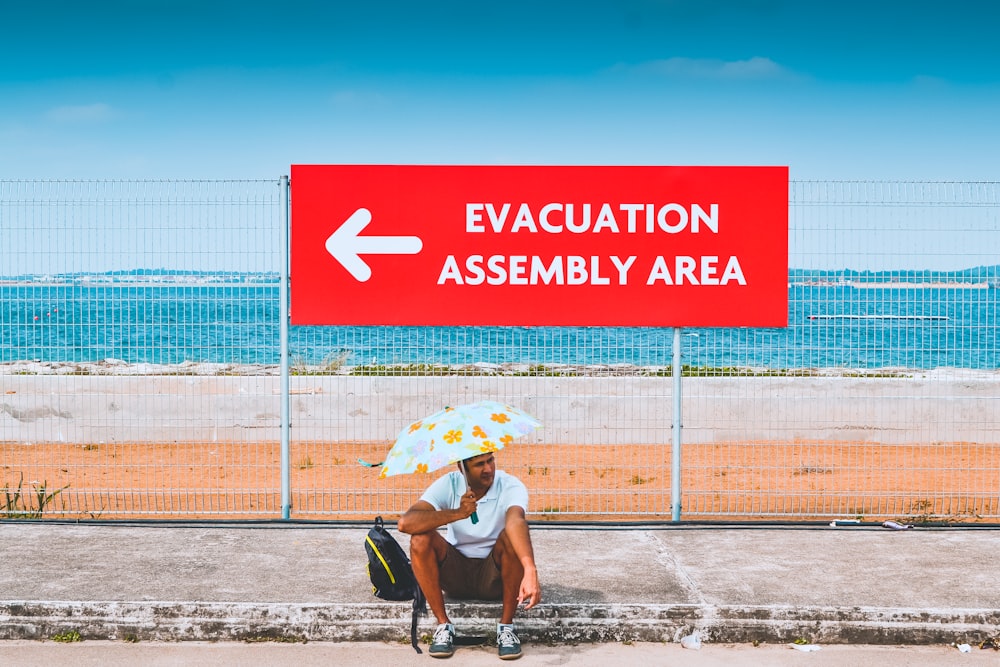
[[552, 623]]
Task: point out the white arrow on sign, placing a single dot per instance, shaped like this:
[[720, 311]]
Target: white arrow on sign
[[347, 247]]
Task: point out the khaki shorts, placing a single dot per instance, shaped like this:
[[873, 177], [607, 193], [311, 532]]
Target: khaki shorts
[[465, 578]]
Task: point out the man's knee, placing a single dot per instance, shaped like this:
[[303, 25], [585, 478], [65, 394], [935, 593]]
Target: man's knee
[[427, 545], [503, 542], [421, 544], [503, 550]]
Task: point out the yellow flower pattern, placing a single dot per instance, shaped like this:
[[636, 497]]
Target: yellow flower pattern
[[458, 432]]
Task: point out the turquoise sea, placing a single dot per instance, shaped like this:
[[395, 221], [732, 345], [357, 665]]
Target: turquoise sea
[[830, 325]]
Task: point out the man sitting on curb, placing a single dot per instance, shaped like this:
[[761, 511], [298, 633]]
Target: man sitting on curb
[[486, 554]]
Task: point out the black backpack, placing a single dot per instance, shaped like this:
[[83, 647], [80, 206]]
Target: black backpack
[[391, 575]]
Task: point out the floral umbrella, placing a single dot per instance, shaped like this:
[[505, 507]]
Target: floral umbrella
[[456, 433]]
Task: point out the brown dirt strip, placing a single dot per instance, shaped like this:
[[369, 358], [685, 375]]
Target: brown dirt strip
[[801, 480]]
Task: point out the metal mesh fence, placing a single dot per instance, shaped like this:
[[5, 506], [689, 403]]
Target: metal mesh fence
[[140, 363], [124, 308]]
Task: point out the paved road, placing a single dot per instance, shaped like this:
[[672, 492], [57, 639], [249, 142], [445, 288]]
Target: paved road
[[25, 653]]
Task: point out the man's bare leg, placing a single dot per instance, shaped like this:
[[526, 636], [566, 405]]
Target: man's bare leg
[[511, 572], [427, 551]]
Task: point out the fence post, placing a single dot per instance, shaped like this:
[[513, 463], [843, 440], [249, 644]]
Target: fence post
[[286, 483], [675, 452]]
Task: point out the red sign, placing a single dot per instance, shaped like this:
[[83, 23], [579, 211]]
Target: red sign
[[546, 245]]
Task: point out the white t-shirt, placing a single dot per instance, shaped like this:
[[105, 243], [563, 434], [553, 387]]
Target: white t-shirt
[[476, 540]]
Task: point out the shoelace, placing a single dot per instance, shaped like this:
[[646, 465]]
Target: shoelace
[[442, 635], [507, 638]]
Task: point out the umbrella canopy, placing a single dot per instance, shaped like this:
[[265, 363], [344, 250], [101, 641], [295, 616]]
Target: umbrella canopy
[[454, 434]]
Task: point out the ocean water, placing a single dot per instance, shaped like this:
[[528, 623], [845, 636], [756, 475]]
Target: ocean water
[[838, 326]]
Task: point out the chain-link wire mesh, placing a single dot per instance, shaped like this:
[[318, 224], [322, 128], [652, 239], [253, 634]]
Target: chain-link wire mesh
[[139, 366]]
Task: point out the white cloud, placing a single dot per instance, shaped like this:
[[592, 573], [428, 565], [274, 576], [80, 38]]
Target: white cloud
[[752, 69], [86, 113]]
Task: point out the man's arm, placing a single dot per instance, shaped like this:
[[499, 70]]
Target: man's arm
[[517, 532], [423, 518]]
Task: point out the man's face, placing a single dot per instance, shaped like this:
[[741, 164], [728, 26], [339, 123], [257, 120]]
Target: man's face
[[480, 470]]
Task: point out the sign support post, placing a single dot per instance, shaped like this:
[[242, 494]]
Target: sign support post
[[286, 486], [675, 453]]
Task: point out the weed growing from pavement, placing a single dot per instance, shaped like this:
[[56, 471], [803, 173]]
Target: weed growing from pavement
[[923, 514]]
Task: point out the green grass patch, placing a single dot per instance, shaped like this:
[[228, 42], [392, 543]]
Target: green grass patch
[[21, 504]]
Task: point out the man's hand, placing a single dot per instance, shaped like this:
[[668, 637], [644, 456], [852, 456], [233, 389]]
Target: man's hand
[[468, 504], [422, 517], [530, 593]]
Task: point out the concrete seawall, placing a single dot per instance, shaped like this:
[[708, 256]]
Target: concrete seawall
[[597, 410]]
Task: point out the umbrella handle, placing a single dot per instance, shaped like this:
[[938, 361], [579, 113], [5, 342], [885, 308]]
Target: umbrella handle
[[474, 517]]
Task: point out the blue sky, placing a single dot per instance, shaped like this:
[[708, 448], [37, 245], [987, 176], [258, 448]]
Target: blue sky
[[181, 89]]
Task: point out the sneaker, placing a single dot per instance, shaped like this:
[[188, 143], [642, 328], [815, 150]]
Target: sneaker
[[508, 645], [443, 643]]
